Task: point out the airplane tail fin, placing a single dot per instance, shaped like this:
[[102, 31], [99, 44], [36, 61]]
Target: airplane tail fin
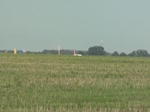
[[74, 52]]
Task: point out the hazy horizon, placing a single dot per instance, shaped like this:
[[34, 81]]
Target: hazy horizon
[[36, 25]]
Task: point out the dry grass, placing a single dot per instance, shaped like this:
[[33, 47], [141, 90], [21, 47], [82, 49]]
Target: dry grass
[[47, 83]]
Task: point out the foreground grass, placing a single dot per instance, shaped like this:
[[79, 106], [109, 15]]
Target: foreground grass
[[65, 83]]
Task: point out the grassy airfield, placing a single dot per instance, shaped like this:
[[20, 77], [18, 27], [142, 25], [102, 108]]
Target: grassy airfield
[[51, 83]]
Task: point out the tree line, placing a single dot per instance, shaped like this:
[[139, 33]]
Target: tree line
[[94, 50], [99, 50]]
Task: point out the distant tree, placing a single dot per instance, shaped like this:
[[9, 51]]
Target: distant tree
[[142, 53], [139, 53], [123, 54], [133, 53], [96, 50], [115, 53], [45, 51]]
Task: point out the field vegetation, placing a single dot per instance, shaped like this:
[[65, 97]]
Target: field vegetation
[[51, 83]]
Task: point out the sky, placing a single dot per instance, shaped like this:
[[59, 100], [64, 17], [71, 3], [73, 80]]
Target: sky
[[35, 25]]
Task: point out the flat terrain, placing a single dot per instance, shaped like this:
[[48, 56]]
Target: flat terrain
[[51, 83]]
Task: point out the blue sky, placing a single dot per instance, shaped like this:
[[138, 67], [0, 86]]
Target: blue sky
[[123, 25]]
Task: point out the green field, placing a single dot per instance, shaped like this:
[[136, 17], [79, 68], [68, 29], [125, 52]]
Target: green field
[[51, 83]]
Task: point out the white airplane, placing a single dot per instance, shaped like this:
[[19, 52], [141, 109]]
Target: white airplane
[[76, 54]]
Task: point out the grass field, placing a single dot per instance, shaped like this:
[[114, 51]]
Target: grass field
[[51, 83]]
